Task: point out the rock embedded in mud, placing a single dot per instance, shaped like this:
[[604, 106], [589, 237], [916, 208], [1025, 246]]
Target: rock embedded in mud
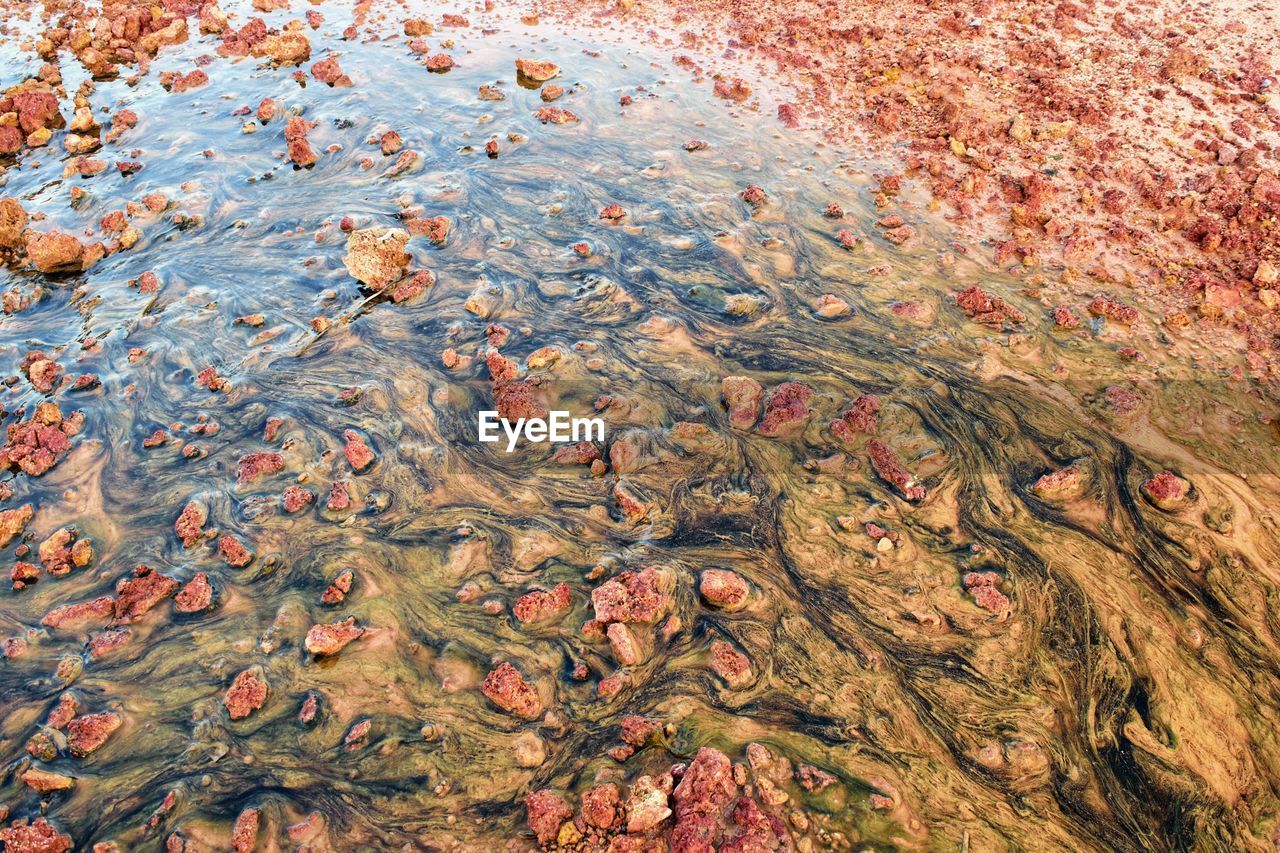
[[1167, 491], [1065, 483], [754, 195], [890, 469], [246, 694], [376, 256], [702, 798], [724, 589], [1117, 312], [786, 409], [506, 688], [38, 444], [831, 307], [732, 90], [742, 396], [330, 639], [984, 587], [97, 611], [860, 417], [730, 664]]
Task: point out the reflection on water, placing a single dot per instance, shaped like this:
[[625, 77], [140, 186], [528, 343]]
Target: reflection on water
[[997, 661]]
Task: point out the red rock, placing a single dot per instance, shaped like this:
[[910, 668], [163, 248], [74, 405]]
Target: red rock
[[64, 712], [724, 589], [37, 445], [890, 468], [330, 639], [987, 309], [786, 409], [600, 805], [339, 498], [54, 251], [415, 286], [440, 63], [233, 552], [244, 834], [1066, 482], [62, 551], [542, 606], [296, 498], [983, 586], [376, 256], [310, 707], [705, 791], [44, 782], [506, 688], [1064, 317], [647, 805], [246, 694], [23, 574], [1167, 491], [209, 378], [358, 454], [137, 595], [742, 395], [813, 779], [190, 524], [582, 453], [88, 733], [754, 195], [99, 610], [730, 664], [197, 595], [537, 70], [626, 649], [1117, 312], [254, 466], [732, 90], [513, 397], [329, 72], [860, 417], [39, 836], [12, 521], [637, 730], [547, 811], [631, 597], [612, 212], [554, 115], [105, 642]]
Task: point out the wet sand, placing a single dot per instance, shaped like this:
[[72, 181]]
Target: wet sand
[[885, 547]]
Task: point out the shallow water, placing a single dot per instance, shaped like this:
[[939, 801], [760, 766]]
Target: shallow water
[[1126, 699]]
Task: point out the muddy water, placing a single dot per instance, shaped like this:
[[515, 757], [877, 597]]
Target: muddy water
[[1125, 698]]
